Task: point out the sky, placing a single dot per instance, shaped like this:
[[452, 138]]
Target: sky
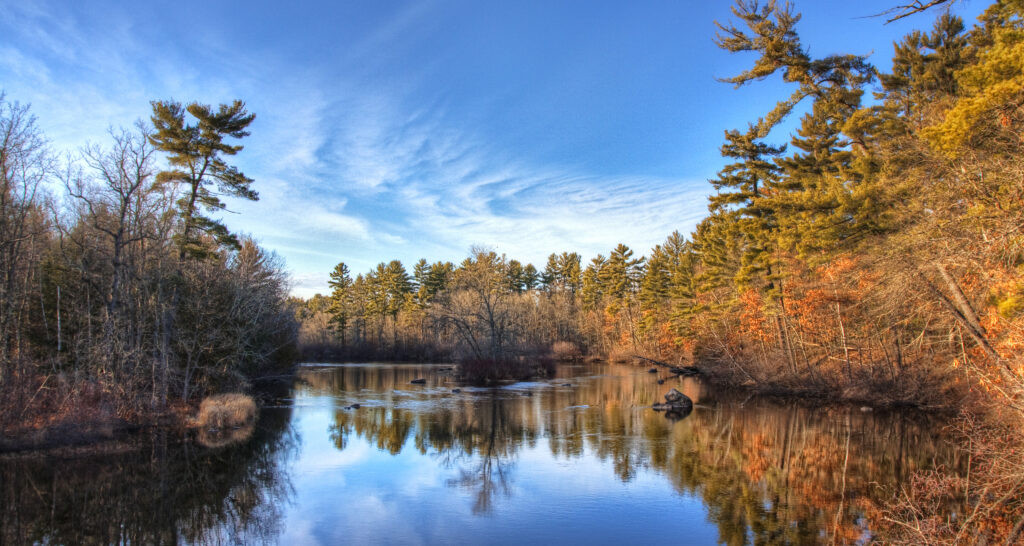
[[402, 130]]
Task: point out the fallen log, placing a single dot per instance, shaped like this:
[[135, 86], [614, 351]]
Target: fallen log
[[688, 371]]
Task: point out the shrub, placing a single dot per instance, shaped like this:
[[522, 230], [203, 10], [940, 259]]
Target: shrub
[[232, 410]]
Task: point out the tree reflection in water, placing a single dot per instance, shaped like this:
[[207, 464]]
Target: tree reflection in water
[[153, 490], [766, 471]]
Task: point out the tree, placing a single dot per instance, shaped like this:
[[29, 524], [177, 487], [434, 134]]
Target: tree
[[195, 153], [989, 106], [480, 307], [741, 188], [25, 162], [562, 273], [340, 306]]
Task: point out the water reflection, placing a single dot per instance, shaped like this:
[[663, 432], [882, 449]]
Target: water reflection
[[580, 458], [766, 472], [154, 489]]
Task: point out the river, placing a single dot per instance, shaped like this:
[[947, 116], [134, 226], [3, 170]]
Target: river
[[575, 459]]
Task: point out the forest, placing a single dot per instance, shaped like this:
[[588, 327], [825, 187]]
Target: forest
[[122, 301], [873, 255], [862, 245]]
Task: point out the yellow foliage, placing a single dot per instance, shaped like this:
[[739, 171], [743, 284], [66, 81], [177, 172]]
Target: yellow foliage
[[992, 86]]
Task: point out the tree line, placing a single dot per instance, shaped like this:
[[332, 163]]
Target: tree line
[[121, 296], [877, 249], [873, 254]]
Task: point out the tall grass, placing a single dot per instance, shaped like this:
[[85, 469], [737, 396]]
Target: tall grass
[[222, 411]]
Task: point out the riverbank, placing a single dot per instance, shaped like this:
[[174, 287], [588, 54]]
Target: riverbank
[[927, 394], [62, 415]]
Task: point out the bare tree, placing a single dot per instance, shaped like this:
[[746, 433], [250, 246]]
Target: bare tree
[[25, 162]]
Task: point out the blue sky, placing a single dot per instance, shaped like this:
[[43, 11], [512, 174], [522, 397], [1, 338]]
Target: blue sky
[[389, 129]]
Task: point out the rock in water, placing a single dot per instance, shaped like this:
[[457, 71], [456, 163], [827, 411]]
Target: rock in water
[[678, 401], [355, 406], [674, 396], [652, 370], [418, 381], [661, 381], [456, 391]]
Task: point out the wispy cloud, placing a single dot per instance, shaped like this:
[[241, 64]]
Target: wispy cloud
[[348, 168]]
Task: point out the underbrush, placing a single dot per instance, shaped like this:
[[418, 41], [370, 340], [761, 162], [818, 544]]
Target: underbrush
[[919, 384], [40, 411]]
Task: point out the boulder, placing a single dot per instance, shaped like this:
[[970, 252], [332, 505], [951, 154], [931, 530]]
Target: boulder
[[674, 396], [677, 402]]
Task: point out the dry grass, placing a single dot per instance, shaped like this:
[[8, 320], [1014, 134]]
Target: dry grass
[[222, 411]]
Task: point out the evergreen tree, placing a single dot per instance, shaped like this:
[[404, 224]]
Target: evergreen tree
[[514, 276], [340, 299], [924, 68], [531, 278], [196, 154], [620, 275], [593, 290], [741, 188]]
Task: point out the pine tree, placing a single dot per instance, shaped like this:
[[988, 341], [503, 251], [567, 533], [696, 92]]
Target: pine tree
[[620, 276], [340, 299], [924, 69], [741, 188], [593, 291], [195, 153], [531, 278]]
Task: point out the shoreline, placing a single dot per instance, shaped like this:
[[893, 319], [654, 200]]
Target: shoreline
[[114, 435]]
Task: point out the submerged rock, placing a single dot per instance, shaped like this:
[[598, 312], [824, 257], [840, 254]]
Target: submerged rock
[[419, 381], [661, 381], [652, 370]]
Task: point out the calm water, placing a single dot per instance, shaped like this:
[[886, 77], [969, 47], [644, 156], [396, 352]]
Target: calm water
[[535, 462]]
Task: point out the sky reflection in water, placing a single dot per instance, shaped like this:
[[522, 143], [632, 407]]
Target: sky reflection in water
[[533, 462], [582, 464]]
